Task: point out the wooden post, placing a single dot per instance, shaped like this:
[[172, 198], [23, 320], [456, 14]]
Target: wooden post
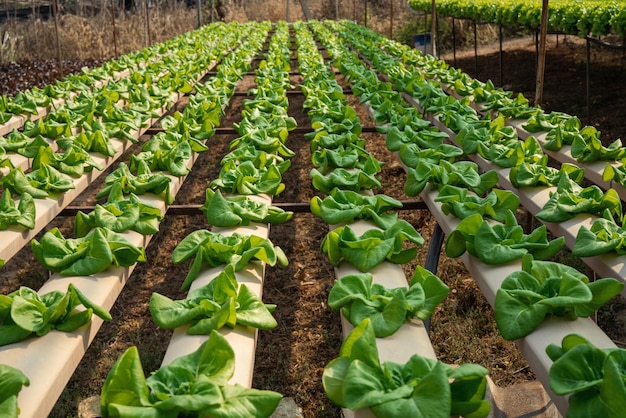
[[501, 71], [541, 64], [391, 19], [55, 6], [454, 41], [199, 14], [365, 15], [114, 29], [148, 42], [287, 8], [433, 29]]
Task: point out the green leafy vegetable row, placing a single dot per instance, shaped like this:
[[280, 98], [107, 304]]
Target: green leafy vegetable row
[[541, 288], [574, 17]]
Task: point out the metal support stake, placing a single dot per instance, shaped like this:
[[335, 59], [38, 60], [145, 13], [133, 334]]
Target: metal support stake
[[454, 41], [199, 14], [588, 82], [501, 71], [475, 52], [432, 259]]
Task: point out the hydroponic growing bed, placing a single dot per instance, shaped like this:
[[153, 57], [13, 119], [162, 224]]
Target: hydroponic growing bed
[[463, 121]]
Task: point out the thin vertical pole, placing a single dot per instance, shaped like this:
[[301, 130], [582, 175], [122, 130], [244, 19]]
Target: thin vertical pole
[[6, 9], [501, 72], [55, 6], [541, 65], [433, 29], [475, 51], [454, 40], [148, 42], [288, 11], [114, 29], [336, 9], [588, 82], [365, 18], [199, 14], [391, 19]]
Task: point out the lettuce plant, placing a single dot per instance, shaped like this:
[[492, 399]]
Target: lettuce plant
[[90, 140], [144, 182], [354, 179], [119, 214], [22, 215], [74, 161], [245, 178], [359, 298], [458, 202], [91, 254], [373, 247], [192, 385], [168, 152], [540, 174], [615, 173], [19, 183], [346, 157], [221, 302], [427, 137], [238, 210], [570, 199], [412, 154], [499, 243], [593, 378], [346, 206], [213, 249], [604, 236], [545, 288], [260, 159], [11, 382], [25, 312], [460, 173], [22, 143], [589, 148], [420, 387]]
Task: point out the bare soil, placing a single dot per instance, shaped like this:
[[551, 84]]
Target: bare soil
[[291, 358]]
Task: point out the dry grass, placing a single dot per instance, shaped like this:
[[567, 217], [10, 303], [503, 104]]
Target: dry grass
[[92, 37]]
